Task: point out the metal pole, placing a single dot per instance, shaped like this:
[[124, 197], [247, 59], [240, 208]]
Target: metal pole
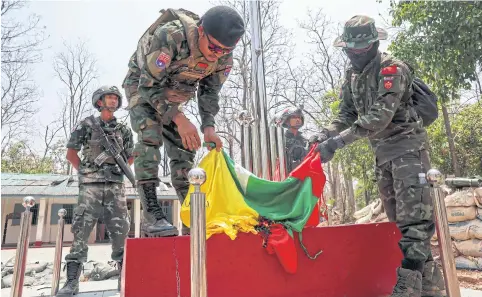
[[58, 252], [435, 178], [197, 176], [22, 248], [259, 93], [282, 152], [245, 120], [248, 129], [274, 150]]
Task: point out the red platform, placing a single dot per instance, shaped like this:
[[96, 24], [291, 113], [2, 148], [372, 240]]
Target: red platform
[[357, 261]]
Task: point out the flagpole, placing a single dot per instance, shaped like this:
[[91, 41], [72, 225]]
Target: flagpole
[[261, 136]]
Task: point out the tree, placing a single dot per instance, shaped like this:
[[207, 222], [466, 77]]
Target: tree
[[442, 41], [467, 131], [19, 158], [21, 48], [75, 67], [236, 92]]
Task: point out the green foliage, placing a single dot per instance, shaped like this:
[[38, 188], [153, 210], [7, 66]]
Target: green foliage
[[467, 131], [18, 158], [441, 40], [359, 160]]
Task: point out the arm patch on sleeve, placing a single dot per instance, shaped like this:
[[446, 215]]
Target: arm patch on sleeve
[[389, 80]]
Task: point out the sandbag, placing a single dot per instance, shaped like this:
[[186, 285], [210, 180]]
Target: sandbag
[[461, 213], [455, 251], [471, 247], [470, 263], [464, 230], [469, 197], [381, 218]]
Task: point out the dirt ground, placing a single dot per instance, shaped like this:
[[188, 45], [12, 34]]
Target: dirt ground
[[470, 279]]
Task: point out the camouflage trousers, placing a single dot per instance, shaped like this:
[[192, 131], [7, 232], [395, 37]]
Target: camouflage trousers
[[408, 203], [151, 135], [100, 200]]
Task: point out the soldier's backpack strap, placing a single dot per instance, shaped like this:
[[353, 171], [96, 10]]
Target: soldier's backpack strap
[[169, 15]]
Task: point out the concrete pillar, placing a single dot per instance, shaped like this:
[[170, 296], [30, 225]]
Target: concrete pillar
[[41, 221], [137, 218]]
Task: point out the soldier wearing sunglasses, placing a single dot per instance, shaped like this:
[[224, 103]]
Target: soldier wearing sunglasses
[[179, 57], [376, 104]]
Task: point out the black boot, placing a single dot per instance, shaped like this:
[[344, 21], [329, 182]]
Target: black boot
[[155, 223], [71, 286], [119, 268]]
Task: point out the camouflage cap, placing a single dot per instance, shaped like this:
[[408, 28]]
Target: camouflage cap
[[360, 32]]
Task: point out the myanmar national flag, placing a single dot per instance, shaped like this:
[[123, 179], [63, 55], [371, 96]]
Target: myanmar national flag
[[238, 201]]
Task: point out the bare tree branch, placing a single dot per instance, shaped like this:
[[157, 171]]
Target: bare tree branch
[[20, 45], [75, 67]]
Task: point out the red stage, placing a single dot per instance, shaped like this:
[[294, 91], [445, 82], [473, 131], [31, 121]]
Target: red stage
[[357, 261]]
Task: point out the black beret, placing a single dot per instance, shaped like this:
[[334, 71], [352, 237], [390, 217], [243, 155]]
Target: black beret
[[223, 23]]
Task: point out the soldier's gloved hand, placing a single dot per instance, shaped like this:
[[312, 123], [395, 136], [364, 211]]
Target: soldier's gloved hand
[[328, 148], [317, 138]]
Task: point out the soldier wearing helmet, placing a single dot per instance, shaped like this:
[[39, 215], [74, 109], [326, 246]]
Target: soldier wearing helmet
[[376, 104], [101, 187], [296, 145]]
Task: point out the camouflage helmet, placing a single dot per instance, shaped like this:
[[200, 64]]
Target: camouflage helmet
[[359, 32], [290, 112], [105, 90]]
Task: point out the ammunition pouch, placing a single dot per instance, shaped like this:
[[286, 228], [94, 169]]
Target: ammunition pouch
[[113, 174]]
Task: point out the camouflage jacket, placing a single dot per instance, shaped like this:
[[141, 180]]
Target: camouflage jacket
[[374, 104], [296, 149], [168, 67], [84, 138]]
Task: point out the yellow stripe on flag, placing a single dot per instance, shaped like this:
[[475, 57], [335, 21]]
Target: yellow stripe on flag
[[226, 209]]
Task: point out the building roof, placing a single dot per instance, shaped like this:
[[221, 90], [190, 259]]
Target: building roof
[[16, 185]]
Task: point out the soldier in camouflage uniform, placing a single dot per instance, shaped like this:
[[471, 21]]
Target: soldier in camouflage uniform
[[178, 57], [376, 96], [296, 145], [101, 187]]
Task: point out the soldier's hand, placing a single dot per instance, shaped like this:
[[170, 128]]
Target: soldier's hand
[[319, 138], [210, 135], [188, 132], [328, 148]]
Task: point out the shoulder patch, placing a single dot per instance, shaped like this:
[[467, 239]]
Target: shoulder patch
[[227, 70], [162, 60], [390, 70]]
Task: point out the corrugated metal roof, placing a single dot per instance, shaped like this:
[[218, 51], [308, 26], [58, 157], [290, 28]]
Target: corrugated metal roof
[[58, 185]]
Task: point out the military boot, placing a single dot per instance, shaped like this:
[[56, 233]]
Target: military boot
[[155, 223], [119, 281], [71, 286], [409, 283], [433, 284]]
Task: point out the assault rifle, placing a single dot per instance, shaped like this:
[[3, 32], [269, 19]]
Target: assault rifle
[[114, 150]]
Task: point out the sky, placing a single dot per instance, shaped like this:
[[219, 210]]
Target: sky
[[113, 28]]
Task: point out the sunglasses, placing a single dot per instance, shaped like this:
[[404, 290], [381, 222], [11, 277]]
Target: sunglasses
[[217, 49]]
